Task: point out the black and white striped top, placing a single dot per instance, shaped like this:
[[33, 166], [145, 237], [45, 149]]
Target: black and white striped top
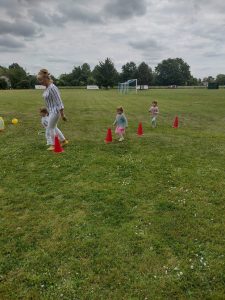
[[52, 99]]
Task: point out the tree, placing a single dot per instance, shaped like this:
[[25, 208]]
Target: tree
[[23, 84], [3, 84], [192, 81], [65, 79], [173, 72], [16, 74], [208, 79], [105, 74], [3, 71], [32, 79], [129, 71], [76, 76], [144, 74], [85, 74], [220, 79]]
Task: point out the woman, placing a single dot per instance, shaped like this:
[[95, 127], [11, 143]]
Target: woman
[[55, 107]]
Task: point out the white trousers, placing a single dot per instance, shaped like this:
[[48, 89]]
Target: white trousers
[[53, 130]]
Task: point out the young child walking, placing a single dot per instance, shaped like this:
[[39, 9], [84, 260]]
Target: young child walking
[[44, 121], [154, 111], [121, 123]]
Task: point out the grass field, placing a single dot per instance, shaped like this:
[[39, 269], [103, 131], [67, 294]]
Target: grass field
[[141, 219]]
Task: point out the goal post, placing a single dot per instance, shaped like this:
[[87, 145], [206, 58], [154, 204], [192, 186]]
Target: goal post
[[127, 86]]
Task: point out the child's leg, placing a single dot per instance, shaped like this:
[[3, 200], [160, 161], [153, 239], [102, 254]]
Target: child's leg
[[48, 137], [121, 137], [154, 122]]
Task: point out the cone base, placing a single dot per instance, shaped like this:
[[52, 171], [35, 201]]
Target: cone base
[[55, 151]]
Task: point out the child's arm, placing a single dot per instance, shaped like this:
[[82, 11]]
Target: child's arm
[[126, 121], [44, 123], [114, 123]]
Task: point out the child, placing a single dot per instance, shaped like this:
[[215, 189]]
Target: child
[[44, 121], [121, 123], [154, 110]]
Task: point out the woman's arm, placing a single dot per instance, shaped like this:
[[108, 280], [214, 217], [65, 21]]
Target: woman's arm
[[62, 114]]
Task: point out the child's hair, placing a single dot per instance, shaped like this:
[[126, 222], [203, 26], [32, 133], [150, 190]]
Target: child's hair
[[154, 102], [44, 110], [120, 108]]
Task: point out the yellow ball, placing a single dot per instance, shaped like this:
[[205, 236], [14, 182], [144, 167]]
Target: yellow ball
[[15, 121]]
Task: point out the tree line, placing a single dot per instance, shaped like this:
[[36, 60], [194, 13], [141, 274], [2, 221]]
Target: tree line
[[171, 71]]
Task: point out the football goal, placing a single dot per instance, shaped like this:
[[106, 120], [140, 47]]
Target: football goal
[[128, 86]]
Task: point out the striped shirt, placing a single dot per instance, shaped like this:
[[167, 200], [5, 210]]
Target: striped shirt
[[52, 99]]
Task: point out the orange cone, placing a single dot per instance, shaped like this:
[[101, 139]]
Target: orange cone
[[176, 122], [108, 138], [58, 148], [140, 129]]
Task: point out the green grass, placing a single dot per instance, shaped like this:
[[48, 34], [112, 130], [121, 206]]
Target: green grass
[[142, 219]]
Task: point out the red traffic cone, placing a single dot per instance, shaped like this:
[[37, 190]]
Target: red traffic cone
[[176, 122], [58, 148], [140, 129], [108, 138]]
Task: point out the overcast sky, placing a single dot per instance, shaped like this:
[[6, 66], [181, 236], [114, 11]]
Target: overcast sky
[[61, 34]]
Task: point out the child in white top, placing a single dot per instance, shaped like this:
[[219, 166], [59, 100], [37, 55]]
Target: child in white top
[[154, 111], [121, 123], [44, 121]]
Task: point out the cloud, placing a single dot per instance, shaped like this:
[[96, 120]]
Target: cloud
[[19, 28], [43, 18], [81, 14], [148, 44], [58, 33], [9, 43], [125, 9], [58, 60]]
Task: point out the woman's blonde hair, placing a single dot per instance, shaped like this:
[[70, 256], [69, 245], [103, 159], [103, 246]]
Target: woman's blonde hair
[[44, 74]]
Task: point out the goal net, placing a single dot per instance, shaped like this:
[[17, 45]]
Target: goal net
[[128, 86]]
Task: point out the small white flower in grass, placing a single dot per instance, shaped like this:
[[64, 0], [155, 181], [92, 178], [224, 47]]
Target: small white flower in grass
[[192, 267]]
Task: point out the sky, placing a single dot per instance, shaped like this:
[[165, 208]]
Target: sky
[[61, 34]]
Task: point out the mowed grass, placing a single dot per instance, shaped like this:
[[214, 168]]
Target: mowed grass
[[141, 219]]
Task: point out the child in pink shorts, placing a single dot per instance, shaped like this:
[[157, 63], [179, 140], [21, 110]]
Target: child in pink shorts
[[121, 123]]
